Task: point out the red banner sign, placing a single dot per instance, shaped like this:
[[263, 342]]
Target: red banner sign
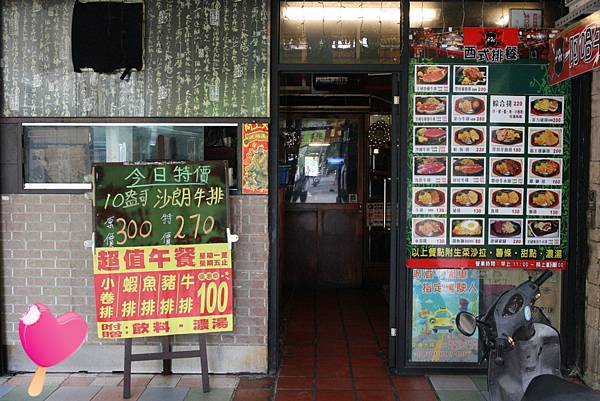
[[163, 290], [491, 45], [575, 50]]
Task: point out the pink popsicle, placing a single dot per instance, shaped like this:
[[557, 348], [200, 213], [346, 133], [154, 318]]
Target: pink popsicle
[[48, 340]]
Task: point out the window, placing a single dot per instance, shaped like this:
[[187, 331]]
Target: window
[[340, 32], [61, 156], [322, 160]]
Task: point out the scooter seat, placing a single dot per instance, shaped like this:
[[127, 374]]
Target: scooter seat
[[554, 388]]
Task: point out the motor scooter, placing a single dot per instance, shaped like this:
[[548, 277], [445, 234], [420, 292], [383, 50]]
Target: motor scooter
[[522, 348]]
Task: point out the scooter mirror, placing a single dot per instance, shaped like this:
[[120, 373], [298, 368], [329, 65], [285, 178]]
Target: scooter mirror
[[466, 323]]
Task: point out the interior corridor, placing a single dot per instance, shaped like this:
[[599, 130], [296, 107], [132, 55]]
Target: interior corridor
[[335, 349]]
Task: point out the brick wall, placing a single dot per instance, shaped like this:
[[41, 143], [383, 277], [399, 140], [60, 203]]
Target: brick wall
[[592, 317], [43, 260]]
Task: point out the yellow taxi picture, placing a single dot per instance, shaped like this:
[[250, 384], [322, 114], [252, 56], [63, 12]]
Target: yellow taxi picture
[[441, 319]]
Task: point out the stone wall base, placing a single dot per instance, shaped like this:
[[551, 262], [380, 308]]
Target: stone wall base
[[109, 358]]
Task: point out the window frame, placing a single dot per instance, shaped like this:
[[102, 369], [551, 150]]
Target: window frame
[[18, 181]]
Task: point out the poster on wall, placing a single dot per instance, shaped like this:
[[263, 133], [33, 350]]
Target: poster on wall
[[255, 159], [438, 296], [162, 264], [495, 194]]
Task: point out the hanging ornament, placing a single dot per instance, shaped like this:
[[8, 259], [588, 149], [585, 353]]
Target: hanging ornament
[[380, 133], [290, 138]]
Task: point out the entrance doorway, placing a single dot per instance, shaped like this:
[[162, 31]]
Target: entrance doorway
[[335, 159]]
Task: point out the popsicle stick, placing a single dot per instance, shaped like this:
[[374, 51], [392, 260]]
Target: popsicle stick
[[37, 382]]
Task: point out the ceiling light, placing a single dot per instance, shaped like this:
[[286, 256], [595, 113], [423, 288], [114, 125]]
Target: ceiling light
[[336, 13], [502, 21]]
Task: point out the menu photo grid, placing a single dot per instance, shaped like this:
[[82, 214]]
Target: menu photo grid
[[485, 168]]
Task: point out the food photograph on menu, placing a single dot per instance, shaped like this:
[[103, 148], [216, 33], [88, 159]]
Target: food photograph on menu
[[432, 78], [471, 139], [544, 202], [546, 109], [429, 200], [506, 201], [470, 78], [467, 231], [543, 232], [505, 231], [431, 108], [507, 139], [468, 170], [544, 171], [547, 140], [469, 108], [430, 231], [467, 200], [430, 139], [506, 170], [430, 170]]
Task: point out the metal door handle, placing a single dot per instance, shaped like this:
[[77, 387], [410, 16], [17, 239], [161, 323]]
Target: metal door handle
[[385, 181]]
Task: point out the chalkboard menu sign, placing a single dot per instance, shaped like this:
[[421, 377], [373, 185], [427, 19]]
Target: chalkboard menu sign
[[489, 170], [162, 264]]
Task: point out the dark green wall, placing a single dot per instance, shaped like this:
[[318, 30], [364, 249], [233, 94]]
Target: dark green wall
[[186, 60]]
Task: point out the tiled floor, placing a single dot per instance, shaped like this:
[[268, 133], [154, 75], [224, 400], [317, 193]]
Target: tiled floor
[[335, 349], [91, 387]]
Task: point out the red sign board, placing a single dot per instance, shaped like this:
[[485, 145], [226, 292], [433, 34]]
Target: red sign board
[[575, 50], [491, 45], [163, 290]]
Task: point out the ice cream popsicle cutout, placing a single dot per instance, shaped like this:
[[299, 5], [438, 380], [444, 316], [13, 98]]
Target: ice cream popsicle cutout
[[48, 340]]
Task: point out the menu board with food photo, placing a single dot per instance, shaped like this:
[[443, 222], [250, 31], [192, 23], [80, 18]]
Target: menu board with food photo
[[545, 140], [507, 109], [488, 180], [543, 171], [471, 139], [469, 109], [430, 200], [543, 202], [470, 78], [467, 231], [506, 170], [546, 109], [543, 232], [507, 139], [430, 170], [506, 201], [432, 78], [429, 231], [505, 231], [430, 139], [430, 108], [469, 200], [468, 170]]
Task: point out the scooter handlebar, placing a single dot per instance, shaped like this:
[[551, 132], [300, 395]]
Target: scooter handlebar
[[543, 277]]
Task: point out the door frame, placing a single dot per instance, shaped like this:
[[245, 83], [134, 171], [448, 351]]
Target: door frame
[[398, 275]]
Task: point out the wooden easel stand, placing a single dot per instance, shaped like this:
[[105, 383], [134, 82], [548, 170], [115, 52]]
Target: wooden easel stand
[[166, 355]]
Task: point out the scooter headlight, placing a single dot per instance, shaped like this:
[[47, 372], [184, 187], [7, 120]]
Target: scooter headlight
[[527, 313]]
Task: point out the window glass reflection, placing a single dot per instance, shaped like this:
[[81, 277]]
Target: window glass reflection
[[340, 32], [64, 154], [322, 159]]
